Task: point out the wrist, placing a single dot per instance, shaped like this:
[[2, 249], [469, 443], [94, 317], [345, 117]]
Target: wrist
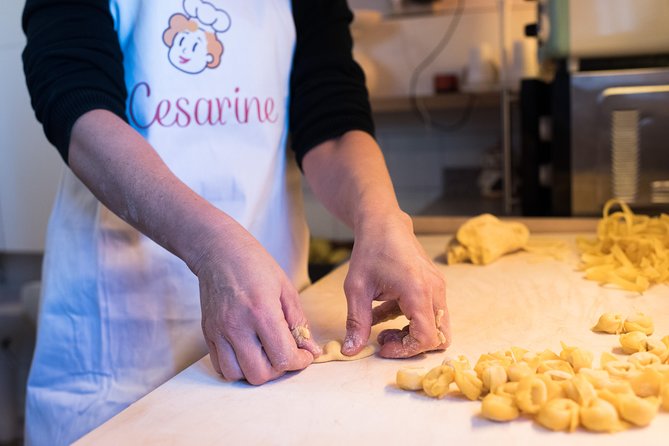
[[205, 237], [380, 218]]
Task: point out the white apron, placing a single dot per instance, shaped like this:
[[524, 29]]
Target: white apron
[[208, 85]]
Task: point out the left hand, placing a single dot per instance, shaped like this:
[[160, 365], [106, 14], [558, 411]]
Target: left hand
[[388, 264]]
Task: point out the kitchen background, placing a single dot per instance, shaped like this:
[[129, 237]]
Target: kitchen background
[[452, 166]]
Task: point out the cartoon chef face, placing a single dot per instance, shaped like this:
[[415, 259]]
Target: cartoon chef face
[[192, 49]]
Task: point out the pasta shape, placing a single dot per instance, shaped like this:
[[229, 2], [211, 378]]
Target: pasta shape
[[612, 323], [560, 414], [639, 322], [410, 378], [601, 416], [630, 251], [563, 391], [499, 408], [438, 380]]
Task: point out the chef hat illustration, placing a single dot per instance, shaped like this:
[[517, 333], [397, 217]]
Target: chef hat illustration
[[211, 18]]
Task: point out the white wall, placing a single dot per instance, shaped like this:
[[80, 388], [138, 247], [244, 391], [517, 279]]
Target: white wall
[[398, 45], [29, 165]]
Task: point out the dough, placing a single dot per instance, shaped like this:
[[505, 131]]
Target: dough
[[332, 352], [484, 239]]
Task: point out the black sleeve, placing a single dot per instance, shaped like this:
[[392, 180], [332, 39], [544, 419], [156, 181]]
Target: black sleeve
[[328, 96], [73, 64]]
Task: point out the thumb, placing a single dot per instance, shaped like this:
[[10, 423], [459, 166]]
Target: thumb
[[358, 319], [297, 322]]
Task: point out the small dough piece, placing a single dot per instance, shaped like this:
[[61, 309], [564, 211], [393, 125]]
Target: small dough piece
[[578, 358], [499, 408], [469, 384], [332, 352], [532, 394], [634, 341], [611, 323], [560, 414], [410, 378], [664, 397], [493, 377], [438, 380], [601, 416], [484, 239], [647, 382], [636, 410], [519, 370], [579, 389], [639, 322]]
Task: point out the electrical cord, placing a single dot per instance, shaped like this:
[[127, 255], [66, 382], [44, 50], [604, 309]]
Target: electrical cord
[[418, 105]]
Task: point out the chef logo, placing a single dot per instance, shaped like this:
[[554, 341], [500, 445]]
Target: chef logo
[[193, 38]]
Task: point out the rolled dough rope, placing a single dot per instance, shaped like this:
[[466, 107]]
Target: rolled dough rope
[[332, 352]]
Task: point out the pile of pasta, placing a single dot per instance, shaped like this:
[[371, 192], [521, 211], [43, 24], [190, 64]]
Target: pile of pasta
[[631, 251], [562, 391]]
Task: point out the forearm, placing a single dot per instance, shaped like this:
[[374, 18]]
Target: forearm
[[126, 174], [349, 176]]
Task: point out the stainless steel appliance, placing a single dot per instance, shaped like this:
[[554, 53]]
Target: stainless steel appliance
[[619, 138], [599, 126]]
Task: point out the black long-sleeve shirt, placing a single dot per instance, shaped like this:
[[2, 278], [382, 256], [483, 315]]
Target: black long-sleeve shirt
[[73, 64]]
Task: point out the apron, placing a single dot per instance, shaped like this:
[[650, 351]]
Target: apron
[[208, 85]]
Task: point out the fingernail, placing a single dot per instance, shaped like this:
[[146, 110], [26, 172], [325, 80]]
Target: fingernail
[[348, 345]]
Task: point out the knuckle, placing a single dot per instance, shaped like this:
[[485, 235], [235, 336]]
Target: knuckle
[[419, 288], [353, 285], [352, 323]]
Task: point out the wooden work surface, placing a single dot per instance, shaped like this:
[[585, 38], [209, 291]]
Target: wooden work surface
[[521, 300]]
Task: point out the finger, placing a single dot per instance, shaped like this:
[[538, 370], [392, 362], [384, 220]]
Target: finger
[[297, 323], [359, 317], [252, 360], [423, 334], [213, 356], [392, 335], [224, 359], [400, 344], [280, 347], [387, 311]]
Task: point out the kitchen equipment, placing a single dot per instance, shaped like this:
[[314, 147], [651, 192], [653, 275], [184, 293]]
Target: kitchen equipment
[[620, 129], [599, 28], [604, 97]]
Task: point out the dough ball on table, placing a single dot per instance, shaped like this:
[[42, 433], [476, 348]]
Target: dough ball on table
[[485, 238]]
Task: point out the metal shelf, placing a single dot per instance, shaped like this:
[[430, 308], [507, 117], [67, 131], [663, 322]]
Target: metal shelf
[[446, 101]]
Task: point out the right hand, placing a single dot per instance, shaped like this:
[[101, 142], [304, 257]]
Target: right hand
[[250, 310]]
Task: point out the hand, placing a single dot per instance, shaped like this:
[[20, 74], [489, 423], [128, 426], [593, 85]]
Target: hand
[[388, 264], [251, 314]]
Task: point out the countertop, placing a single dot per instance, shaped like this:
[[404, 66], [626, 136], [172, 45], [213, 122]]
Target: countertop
[[523, 299]]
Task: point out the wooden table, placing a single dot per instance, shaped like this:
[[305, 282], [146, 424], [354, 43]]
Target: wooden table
[[521, 300]]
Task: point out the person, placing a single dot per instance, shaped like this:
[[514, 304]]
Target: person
[[179, 214]]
